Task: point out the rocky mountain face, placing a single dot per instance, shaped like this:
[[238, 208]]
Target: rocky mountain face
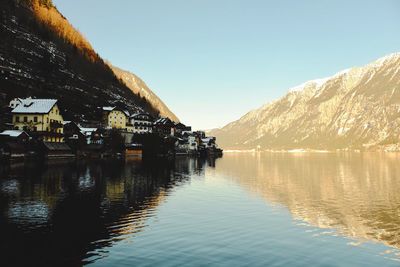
[[139, 87], [42, 55], [358, 108]]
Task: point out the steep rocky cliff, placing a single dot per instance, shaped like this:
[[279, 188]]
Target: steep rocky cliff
[[356, 108], [42, 55]]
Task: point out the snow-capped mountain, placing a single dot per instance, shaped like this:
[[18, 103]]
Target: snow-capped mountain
[[355, 108]]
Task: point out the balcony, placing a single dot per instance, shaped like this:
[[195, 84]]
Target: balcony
[[55, 125], [28, 122]]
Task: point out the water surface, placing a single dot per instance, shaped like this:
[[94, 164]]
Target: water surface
[[241, 210]]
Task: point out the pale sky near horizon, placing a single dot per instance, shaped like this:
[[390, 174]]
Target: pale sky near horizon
[[212, 61]]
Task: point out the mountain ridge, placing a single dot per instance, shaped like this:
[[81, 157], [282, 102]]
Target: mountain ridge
[[43, 55], [139, 87], [330, 113]]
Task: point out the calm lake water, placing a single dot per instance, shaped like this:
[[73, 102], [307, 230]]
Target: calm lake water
[[307, 209]]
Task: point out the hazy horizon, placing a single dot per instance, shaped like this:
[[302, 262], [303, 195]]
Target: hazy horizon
[[213, 62]]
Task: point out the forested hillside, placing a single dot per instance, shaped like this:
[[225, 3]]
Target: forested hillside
[[42, 55]]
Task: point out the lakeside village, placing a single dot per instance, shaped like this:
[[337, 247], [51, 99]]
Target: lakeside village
[[38, 131]]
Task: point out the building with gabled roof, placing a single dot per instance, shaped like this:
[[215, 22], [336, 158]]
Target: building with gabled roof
[[41, 118], [164, 126], [116, 118], [14, 135], [35, 106], [142, 123]]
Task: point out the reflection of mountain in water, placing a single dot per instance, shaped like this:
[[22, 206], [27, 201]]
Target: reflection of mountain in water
[[358, 194], [62, 212]]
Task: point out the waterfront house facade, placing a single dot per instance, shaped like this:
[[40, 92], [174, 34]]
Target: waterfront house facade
[[116, 118], [40, 117], [142, 123], [15, 136], [180, 128], [164, 126], [92, 135]]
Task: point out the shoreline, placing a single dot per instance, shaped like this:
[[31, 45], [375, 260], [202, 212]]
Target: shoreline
[[300, 151]]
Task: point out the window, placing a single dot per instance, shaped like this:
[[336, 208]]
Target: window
[[35, 119], [16, 119], [34, 128], [47, 119], [25, 119]]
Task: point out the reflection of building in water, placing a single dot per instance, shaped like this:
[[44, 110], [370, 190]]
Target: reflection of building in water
[[32, 201], [354, 193], [84, 207]]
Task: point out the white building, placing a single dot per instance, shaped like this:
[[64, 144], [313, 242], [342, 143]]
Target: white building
[[90, 135], [209, 142], [192, 144], [142, 123]]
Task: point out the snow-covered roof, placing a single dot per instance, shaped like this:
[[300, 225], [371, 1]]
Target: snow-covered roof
[[163, 121], [141, 114], [207, 139], [108, 108], [41, 106], [87, 131], [12, 133], [115, 108]]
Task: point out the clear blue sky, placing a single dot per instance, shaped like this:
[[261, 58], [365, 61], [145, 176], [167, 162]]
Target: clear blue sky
[[212, 61]]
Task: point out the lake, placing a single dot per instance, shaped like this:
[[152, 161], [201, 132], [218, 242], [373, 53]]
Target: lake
[[245, 209]]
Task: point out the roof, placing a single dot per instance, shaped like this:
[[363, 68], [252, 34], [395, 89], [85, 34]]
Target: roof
[[108, 108], [12, 133], [208, 139], [84, 129], [19, 99], [163, 121], [56, 146], [115, 108], [41, 106], [133, 145], [87, 131], [142, 114]]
